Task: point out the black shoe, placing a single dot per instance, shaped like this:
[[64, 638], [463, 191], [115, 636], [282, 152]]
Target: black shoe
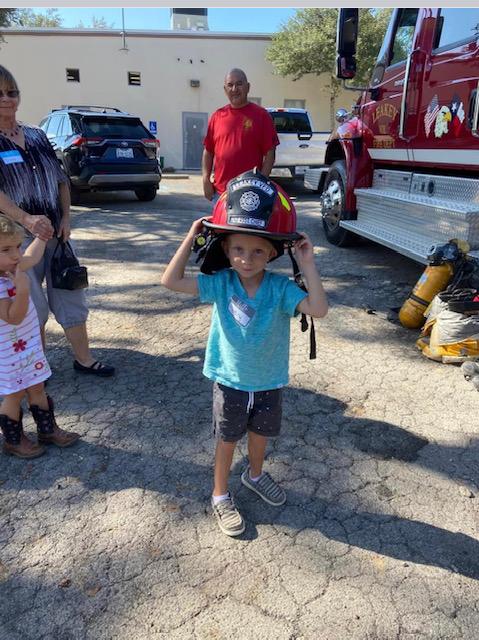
[[96, 369]]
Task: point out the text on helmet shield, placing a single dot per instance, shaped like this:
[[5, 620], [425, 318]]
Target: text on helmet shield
[[257, 184], [249, 222]]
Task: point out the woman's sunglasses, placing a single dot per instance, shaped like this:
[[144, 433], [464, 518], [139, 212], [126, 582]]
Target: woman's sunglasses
[[13, 93]]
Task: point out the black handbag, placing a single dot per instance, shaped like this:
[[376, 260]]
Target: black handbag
[[66, 271]]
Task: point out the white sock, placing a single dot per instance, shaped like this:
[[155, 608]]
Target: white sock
[[217, 499], [255, 479]]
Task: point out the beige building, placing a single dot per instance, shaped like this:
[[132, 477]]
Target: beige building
[[171, 78]]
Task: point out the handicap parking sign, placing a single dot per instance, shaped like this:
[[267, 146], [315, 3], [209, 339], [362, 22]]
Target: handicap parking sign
[[152, 126]]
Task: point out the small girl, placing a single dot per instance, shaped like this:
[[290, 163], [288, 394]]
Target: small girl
[[23, 366]]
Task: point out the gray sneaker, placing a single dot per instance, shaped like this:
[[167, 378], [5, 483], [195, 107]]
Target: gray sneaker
[[470, 369], [265, 487], [229, 519]]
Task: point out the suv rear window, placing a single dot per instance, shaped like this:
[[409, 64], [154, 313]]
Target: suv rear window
[[114, 128], [291, 122]]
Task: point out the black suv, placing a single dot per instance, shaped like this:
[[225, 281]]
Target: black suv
[[103, 148]]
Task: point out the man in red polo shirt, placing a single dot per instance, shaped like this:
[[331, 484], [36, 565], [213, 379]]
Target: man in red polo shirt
[[240, 136]]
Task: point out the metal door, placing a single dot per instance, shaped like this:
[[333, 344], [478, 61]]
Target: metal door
[[194, 131], [385, 112]]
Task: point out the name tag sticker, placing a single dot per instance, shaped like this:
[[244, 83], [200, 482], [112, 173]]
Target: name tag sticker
[[241, 312], [11, 157]]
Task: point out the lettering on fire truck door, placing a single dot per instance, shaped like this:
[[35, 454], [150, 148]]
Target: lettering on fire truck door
[[382, 113]]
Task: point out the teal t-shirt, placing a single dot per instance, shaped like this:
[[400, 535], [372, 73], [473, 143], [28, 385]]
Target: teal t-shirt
[[248, 343]]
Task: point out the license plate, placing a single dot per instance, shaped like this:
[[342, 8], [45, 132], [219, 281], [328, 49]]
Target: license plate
[[124, 153]]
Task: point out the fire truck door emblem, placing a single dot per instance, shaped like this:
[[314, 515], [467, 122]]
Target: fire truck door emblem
[[442, 120], [383, 116], [457, 113], [430, 115]]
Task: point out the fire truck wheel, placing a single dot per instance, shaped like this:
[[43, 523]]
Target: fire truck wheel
[[333, 203]]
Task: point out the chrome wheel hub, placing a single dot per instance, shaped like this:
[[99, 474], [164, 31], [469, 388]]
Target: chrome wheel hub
[[332, 203]]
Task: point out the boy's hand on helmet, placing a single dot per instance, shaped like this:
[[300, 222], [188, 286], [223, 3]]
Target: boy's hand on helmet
[[197, 226], [198, 234], [303, 249]]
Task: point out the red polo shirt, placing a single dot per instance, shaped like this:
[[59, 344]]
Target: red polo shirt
[[238, 139]]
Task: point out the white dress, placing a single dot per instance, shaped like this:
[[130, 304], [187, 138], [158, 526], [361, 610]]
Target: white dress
[[22, 361]]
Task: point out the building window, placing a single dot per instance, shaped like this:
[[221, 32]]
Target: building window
[[73, 75], [134, 78], [255, 100], [295, 104]]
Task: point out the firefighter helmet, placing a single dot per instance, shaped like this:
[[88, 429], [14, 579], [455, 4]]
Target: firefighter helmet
[[251, 204]]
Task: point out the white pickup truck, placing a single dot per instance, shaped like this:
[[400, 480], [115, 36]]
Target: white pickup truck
[[300, 147]]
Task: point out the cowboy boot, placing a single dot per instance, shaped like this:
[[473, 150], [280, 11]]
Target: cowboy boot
[[48, 430], [16, 442]]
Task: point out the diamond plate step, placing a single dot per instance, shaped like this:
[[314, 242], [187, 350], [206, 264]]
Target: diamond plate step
[[411, 222], [413, 246]]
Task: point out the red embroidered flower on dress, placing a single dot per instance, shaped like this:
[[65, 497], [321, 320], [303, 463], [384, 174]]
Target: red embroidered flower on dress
[[19, 345], [38, 365], [11, 292]]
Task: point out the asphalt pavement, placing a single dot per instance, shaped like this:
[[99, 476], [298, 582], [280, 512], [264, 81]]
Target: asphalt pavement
[[113, 539]]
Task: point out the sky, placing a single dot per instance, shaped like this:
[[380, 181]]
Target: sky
[[252, 20]]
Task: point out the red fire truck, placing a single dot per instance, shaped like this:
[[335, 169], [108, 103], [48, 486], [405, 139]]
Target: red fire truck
[[403, 168]]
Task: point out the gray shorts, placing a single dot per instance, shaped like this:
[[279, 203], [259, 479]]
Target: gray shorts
[[236, 412], [68, 307]]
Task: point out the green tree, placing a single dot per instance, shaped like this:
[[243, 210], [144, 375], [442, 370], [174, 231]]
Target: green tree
[[6, 16], [100, 23], [30, 18], [96, 23], [307, 44]]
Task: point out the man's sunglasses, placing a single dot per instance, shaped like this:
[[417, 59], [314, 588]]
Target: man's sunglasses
[[13, 93]]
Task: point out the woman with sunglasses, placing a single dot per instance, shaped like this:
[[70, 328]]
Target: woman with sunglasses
[[35, 193]]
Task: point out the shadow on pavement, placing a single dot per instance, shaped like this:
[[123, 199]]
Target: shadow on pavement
[[157, 436]]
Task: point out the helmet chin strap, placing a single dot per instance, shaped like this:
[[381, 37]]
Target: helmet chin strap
[[298, 278]]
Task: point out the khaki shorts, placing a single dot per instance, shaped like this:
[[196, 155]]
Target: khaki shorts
[[69, 307]]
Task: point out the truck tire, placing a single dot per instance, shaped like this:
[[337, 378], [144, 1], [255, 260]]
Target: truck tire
[[146, 194], [333, 201]]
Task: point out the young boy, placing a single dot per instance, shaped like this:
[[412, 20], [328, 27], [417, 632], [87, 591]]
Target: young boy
[[247, 355]]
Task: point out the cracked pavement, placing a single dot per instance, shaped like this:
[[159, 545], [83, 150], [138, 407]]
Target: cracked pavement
[[113, 539]]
